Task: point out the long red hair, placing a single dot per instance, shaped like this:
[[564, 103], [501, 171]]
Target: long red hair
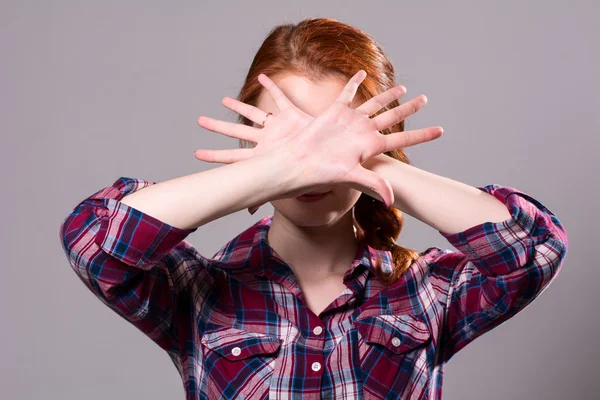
[[319, 48]]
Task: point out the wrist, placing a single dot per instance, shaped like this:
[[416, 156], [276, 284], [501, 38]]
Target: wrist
[[286, 168], [376, 162]]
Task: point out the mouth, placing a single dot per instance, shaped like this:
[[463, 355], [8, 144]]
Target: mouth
[[313, 196]]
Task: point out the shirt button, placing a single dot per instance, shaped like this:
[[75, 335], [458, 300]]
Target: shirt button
[[317, 330], [236, 351], [396, 342], [316, 366]]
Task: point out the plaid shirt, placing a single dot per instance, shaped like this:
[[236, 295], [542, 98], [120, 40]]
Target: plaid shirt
[[237, 326]]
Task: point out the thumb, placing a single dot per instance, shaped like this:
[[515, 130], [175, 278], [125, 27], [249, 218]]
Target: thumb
[[372, 184]]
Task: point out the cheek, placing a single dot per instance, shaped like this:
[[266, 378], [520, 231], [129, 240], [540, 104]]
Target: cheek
[[347, 196]]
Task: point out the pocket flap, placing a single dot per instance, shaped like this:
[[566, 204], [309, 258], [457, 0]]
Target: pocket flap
[[398, 333], [237, 344]]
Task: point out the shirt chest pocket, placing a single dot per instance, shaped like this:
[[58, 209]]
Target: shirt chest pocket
[[238, 363], [397, 333], [392, 353], [236, 344]]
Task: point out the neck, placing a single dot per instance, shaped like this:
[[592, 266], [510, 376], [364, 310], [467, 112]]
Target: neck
[[314, 251]]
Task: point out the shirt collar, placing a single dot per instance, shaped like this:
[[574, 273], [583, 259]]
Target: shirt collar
[[250, 252]]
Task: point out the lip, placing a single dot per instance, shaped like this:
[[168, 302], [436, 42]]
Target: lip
[[309, 199]]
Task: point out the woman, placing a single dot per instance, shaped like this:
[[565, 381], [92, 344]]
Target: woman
[[317, 300]]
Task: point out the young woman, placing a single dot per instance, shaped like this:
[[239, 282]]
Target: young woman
[[316, 301]]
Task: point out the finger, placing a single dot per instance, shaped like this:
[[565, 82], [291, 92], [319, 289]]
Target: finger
[[401, 140], [223, 156], [400, 113], [254, 114], [375, 185], [238, 131], [376, 103], [349, 91], [278, 96]]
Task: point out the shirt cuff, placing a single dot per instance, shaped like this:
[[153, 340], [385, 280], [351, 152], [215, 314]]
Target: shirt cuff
[[129, 235], [498, 248]]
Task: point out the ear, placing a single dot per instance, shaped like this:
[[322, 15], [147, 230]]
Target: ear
[[253, 209]]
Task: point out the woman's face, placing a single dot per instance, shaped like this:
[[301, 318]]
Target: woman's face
[[313, 99]]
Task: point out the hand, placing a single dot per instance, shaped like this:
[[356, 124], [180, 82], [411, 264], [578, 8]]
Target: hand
[[277, 129], [351, 126], [288, 121]]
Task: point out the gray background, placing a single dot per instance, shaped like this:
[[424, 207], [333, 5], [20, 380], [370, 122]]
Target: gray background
[[92, 91]]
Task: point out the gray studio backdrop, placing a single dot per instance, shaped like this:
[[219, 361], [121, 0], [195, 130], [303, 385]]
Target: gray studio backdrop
[[92, 91]]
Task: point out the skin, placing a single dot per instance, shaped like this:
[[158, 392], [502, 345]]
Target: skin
[[317, 239]]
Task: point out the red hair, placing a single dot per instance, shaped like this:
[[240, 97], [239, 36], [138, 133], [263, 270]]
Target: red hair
[[319, 48]]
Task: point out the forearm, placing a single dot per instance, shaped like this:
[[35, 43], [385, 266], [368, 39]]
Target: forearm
[[194, 200], [442, 203]]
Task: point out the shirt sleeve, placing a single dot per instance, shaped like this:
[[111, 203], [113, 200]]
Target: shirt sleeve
[[134, 263], [499, 269]]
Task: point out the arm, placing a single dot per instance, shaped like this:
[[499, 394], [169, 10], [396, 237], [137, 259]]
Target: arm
[[135, 258], [444, 204], [502, 264], [194, 200]]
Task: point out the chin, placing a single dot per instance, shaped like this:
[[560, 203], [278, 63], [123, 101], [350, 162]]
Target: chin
[[310, 214], [313, 220]]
